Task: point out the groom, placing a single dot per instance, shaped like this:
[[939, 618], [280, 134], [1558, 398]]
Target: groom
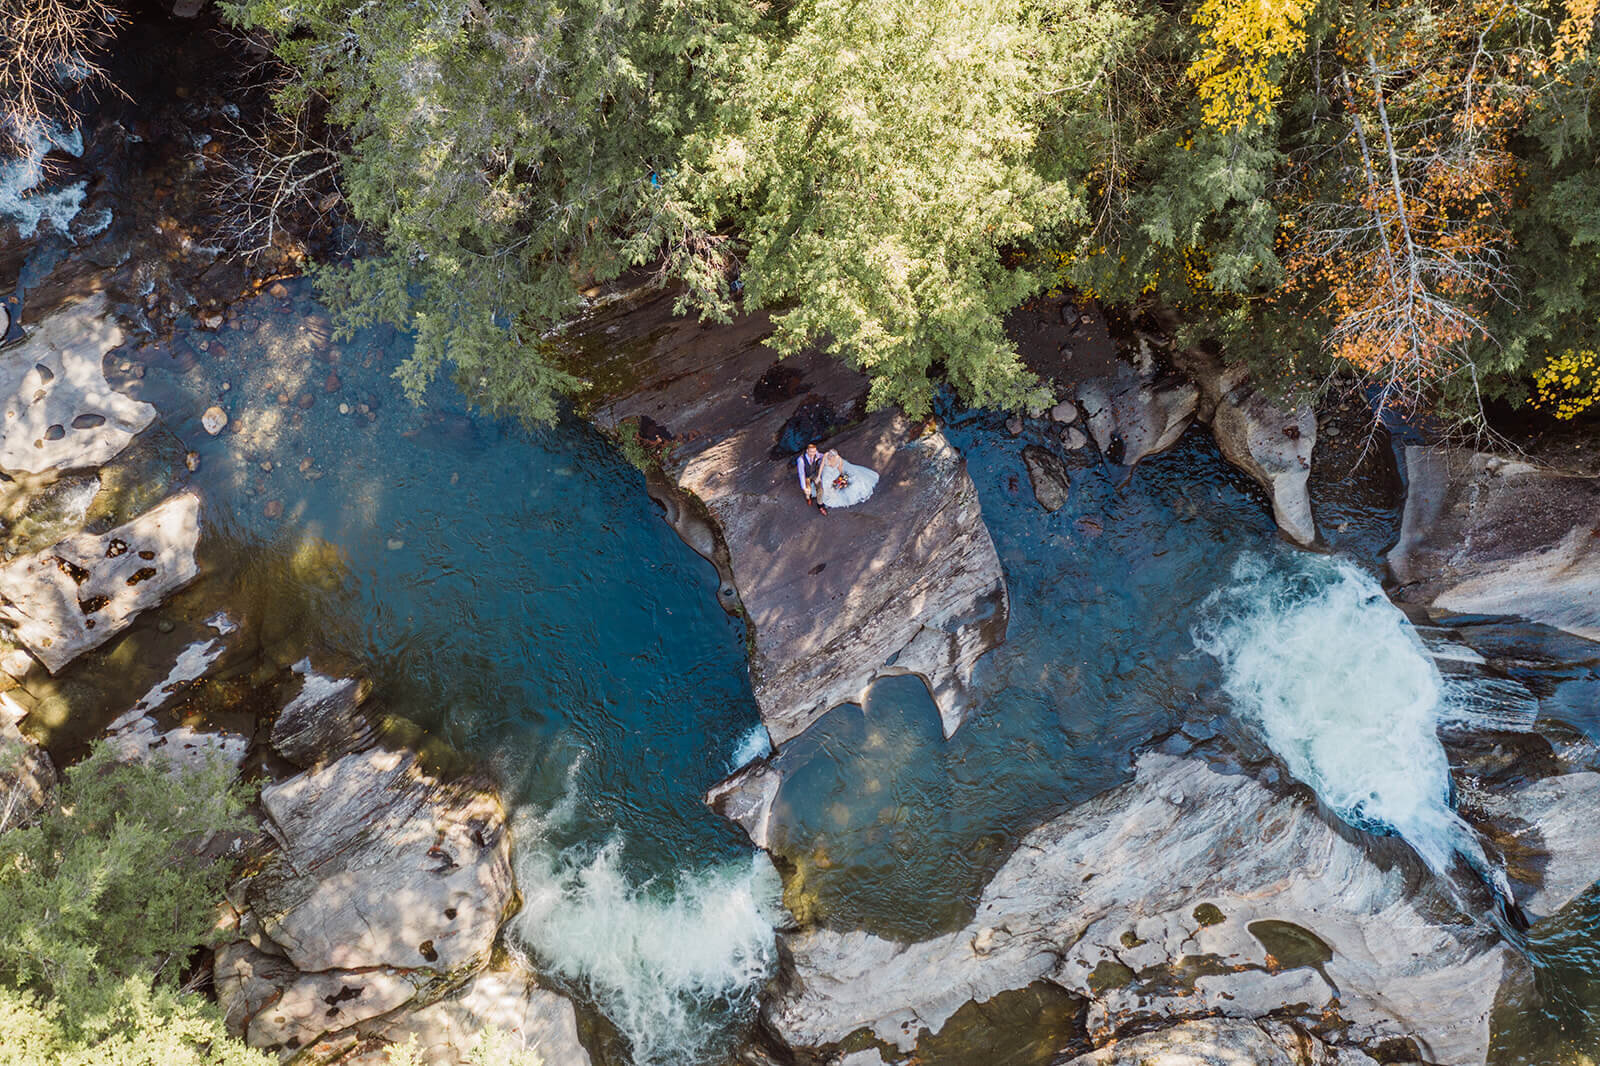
[[809, 466]]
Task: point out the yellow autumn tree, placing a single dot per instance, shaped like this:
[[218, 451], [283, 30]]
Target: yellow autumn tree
[[1234, 75]]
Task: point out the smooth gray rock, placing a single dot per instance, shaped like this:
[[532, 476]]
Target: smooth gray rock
[[382, 864], [1482, 535], [1256, 435], [1052, 484], [905, 583], [78, 594], [507, 1000], [1273, 446], [1552, 828], [746, 798], [1103, 901], [324, 721], [66, 416], [1132, 416], [26, 773]]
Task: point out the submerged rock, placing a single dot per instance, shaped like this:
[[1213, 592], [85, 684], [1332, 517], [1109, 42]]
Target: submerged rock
[[1051, 482], [1482, 535], [905, 583], [1184, 892], [60, 412], [74, 596], [1224, 1042]]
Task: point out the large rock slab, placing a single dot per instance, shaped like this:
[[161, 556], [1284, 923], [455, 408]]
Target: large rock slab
[[59, 413], [508, 1001], [323, 721], [1184, 892], [382, 864], [78, 594], [906, 583], [1482, 535]]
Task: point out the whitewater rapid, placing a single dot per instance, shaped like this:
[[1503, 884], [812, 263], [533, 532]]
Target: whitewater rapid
[[1340, 687], [668, 960]]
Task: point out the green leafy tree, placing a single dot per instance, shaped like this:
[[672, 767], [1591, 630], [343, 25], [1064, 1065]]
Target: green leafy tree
[[134, 1025], [109, 884]]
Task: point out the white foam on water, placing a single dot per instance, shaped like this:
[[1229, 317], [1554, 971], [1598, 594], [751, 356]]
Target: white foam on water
[[21, 199], [754, 745], [655, 957], [1342, 690]]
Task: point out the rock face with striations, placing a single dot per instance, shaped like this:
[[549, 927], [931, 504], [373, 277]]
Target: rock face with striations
[[76, 595], [906, 583], [1482, 535], [1185, 892], [387, 889], [1224, 1042]]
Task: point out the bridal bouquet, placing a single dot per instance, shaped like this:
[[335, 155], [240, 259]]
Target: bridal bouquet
[[841, 482]]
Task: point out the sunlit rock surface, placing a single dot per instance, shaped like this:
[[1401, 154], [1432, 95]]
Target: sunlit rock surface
[[907, 582], [508, 1000], [1224, 1042], [382, 864], [1184, 892], [59, 412], [76, 595], [387, 887], [1270, 443], [1483, 535]]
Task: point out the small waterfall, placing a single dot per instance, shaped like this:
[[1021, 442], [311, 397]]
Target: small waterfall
[[661, 960], [755, 744], [1340, 687]]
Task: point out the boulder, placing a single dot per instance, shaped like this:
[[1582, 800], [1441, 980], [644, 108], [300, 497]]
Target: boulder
[[1133, 415], [1273, 446], [76, 595], [273, 1005], [1223, 1042], [1185, 892], [1051, 482], [746, 797], [905, 583], [507, 1000], [26, 773], [382, 864], [324, 720], [1482, 535], [1260, 437], [60, 413]]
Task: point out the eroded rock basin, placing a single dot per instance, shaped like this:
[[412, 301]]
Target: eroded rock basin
[[517, 595]]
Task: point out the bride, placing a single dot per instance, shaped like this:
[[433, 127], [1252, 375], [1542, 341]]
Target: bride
[[857, 482]]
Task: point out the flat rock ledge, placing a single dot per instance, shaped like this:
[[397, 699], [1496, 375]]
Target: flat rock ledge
[[1486, 535], [59, 411], [1186, 893], [907, 583], [385, 892], [76, 595]]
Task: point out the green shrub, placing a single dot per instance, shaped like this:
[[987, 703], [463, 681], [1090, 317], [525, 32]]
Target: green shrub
[[109, 884]]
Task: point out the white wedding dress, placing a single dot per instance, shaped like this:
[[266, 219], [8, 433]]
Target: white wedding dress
[[862, 481]]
